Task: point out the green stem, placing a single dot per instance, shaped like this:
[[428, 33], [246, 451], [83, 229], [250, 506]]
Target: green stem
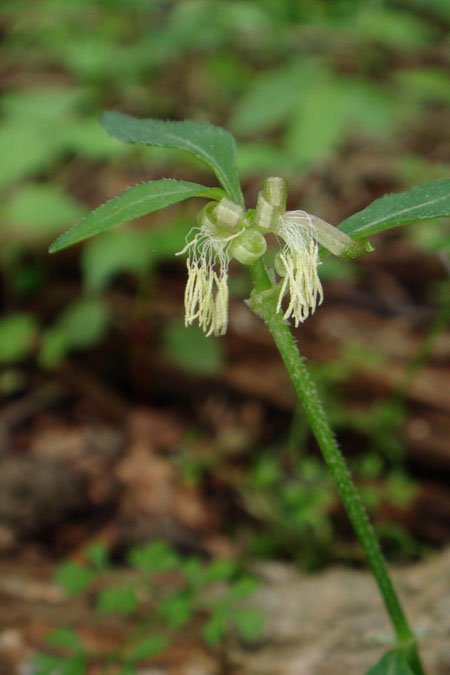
[[263, 302]]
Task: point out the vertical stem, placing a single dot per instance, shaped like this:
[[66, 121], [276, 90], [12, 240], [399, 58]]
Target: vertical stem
[[263, 302]]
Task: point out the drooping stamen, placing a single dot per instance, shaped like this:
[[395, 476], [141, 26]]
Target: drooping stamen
[[206, 294], [299, 262]]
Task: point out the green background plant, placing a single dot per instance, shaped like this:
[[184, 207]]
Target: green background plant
[[215, 591]]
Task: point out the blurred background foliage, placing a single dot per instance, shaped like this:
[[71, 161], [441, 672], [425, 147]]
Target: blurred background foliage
[[346, 99]]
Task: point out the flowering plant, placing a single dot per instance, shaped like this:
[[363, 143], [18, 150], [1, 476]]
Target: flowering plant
[[226, 230]]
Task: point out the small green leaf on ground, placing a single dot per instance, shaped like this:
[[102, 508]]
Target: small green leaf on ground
[[154, 557], [243, 588], [97, 554], [176, 608], [39, 209], [214, 629], [121, 600], [248, 622], [17, 334], [45, 664], [190, 349], [64, 637], [151, 646], [73, 578], [84, 323], [127, 669], [220, 570]]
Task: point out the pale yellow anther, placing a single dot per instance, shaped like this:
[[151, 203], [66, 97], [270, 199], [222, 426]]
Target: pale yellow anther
[[298, 263], [206, 297]]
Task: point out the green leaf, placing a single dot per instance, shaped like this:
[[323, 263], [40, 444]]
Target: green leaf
[[176, 608], [53, 348], [84, 323], [24, 150], [97, 554], [192, 569], [84, 137], [243, 588], [392, 663], [212, 145], [214, 629], [151, 646], [220, 570], [135, 202], [44, 664], [424, 202], [17, 333], [129, 250], [127, 669], [153, 557], [73, 578], [318, 124], [190, 349], [248, 622], [72, 666], [34, 106], [40, 209], [122, 600], [64, 637], [81, 325], [118, 251], [269, 100]]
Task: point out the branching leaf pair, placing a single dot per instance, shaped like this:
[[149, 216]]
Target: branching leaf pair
[[215, 147]]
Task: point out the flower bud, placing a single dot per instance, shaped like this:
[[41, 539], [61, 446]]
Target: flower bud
[[206, 218], [248, 247], [228, 214], [275, 192], [337, 242], [266, 214]]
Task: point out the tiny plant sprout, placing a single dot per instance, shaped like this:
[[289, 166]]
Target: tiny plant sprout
[[226, 231]]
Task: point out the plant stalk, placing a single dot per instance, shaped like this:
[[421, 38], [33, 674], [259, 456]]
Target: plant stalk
[[263, 302]]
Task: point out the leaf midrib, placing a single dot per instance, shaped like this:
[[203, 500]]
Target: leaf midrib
[[398, 213]]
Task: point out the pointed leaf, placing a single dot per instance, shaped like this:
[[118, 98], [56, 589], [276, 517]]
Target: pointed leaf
[[156, 556], [150, 646], [136, 201], [431, 200], [73, 578], [212, 145], [64, 637], [122, 600], [392, 663], [248, 622], [214, 629]]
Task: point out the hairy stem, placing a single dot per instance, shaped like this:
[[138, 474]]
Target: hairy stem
[[263, 302]]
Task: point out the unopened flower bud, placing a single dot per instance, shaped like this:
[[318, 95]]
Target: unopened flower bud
[[248, 247], [275, 192], [206, 218], [228, 214], [266, 214], [336, 241]]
